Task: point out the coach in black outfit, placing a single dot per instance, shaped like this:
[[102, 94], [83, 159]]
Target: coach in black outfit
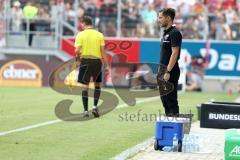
[[170, 53]]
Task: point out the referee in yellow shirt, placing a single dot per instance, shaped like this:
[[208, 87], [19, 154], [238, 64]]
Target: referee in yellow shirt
[[89, 48]]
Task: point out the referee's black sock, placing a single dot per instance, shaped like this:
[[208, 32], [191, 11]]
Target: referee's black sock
[[97, 92], [85, 99]]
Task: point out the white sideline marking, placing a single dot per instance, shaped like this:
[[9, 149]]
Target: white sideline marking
[[237, 100], [140, 101], [58, 120], [30, 127]]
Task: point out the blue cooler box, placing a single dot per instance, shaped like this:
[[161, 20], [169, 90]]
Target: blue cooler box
[[164, 133]]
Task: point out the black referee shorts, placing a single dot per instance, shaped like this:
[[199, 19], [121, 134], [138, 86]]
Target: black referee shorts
[[90, 68]]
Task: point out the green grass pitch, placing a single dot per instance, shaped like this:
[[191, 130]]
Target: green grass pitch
[[97, 139]]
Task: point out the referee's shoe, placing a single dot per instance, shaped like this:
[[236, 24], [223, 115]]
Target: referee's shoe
[[95, 112]]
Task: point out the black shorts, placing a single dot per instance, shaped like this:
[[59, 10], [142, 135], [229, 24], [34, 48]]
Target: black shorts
[[90, 68]]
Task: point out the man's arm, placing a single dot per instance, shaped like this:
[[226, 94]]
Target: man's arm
[[104, 56], [78, 53], [172, 62], [176, 40], [173, 58], [78, 46]]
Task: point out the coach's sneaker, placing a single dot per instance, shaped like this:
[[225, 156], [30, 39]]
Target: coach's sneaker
[[95, 112], [85, 114]]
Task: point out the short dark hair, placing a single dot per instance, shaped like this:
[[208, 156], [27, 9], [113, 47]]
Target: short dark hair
[[87, 20], [168, 12]]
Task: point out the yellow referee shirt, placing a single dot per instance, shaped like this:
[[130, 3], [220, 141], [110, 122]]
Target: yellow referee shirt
[[90, 42]]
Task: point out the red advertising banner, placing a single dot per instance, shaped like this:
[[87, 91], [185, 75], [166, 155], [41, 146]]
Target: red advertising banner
[[127, 50]]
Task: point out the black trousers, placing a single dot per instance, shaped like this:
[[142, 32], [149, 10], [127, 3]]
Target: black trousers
[[170, 100], [90, 68], [32, 29]]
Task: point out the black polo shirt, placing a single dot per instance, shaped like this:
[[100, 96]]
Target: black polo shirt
[[171, 38]]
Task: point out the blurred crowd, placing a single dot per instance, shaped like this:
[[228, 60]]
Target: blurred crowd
[[197, 19]]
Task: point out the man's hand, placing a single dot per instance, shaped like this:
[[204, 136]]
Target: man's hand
[[78, 54], [78, 59], [166, 76]]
